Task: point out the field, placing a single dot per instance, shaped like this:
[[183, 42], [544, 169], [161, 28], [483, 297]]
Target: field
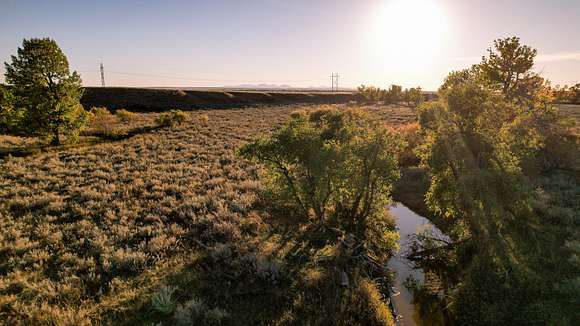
[[157, 223], [91, 233]]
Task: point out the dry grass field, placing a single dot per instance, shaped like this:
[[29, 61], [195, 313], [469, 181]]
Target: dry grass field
[[156, 224], [100, 232]]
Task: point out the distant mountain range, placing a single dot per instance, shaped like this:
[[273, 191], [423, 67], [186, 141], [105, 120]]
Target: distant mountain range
[[260, 86]]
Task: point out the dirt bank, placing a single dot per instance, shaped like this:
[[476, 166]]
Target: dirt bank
[[144, 99]]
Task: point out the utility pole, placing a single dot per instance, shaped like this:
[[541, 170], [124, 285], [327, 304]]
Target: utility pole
[[102, 75], [334, 81]]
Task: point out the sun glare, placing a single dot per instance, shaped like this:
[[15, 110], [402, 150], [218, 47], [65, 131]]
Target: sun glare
[[409, 32]]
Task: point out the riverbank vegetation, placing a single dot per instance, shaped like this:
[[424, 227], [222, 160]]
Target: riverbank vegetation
[[504, 178]]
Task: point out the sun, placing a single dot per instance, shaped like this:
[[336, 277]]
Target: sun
[[409, 32]]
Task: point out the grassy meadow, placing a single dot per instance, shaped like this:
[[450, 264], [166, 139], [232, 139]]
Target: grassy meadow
[[144, 224]]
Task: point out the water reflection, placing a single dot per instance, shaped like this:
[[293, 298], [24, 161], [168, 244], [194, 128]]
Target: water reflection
[[408, 223]]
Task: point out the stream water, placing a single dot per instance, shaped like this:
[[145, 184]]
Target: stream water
[[408, 223]]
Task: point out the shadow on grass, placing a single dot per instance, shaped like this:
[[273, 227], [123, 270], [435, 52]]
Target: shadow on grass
[[129, 134], [89, 140]]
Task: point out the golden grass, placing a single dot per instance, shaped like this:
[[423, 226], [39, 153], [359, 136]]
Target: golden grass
[[89, 233]]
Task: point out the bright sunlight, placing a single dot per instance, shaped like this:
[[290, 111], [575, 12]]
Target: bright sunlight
[[408, 31]]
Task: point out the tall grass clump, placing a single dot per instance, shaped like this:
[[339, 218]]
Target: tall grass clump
[[103, 122], [125, 115]]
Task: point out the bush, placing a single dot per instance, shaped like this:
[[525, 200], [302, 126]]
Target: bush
[[336, 165], [169, 119], [365, 306], [197, 312], [204, 118], [162, 300], [103, 122], [125, 115], [411, 135]]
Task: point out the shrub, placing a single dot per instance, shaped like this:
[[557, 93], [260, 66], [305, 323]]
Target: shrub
[[364, 306], [103, 122], [339, 165], [197, 312], [411, 135], [169, 119], [204, 118], [162, 301], [125, 115]]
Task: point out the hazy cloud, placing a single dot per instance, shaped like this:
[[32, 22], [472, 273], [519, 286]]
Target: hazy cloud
[[561, 56], [553, 57]]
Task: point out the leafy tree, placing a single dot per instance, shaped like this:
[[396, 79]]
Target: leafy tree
[[6, 109], [507, 68], [371, 94], [394, 94], [567, 94], [337, 165], [413, 96], [46, 93], [484, 148], [507, 64]]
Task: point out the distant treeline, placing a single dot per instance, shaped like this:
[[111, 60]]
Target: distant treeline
[[567, 94]]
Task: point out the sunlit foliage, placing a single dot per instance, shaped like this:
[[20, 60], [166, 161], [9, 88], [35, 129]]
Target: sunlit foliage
[[171, 118], [339, 165], [46, 93], [395, 94], [487, 149]]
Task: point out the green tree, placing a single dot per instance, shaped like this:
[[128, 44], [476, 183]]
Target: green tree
[[511, 258], [393, 95], [508, 67], [371, 94], [338, 165], [413, 96], [6, 109], [46, 92]]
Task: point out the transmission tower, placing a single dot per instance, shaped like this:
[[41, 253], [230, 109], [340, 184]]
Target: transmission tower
[[334, 82], [102, 75]]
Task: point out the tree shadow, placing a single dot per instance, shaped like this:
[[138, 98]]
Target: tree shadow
[[89, 140]]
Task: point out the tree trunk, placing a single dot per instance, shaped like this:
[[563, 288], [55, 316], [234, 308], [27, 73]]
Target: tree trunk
[[56, 139]]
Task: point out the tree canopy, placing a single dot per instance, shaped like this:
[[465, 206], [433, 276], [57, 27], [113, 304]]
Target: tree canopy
[[46, 94], [487, 149]]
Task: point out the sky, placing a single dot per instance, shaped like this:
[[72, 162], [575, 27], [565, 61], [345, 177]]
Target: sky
[[298, 43]]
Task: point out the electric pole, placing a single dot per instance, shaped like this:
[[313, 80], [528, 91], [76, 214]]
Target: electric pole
[[102, 75], [334, 81]]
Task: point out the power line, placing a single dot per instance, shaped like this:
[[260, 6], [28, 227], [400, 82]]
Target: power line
[[202, 79]]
